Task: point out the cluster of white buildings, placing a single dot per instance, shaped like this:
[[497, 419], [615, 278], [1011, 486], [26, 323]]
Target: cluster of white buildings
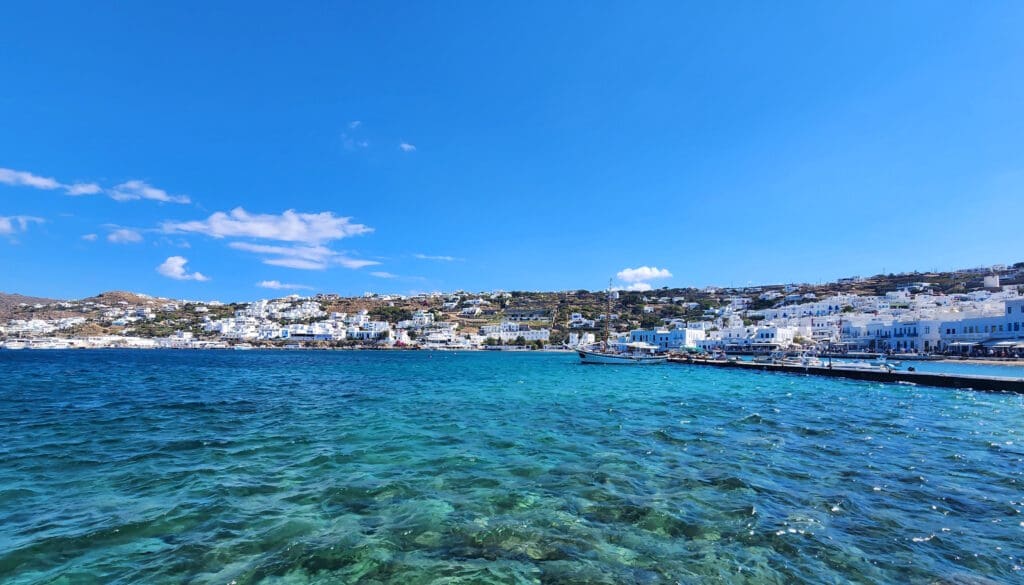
[[510, 331], [37, 327], [899, 321], [261, 320], [914, 318]]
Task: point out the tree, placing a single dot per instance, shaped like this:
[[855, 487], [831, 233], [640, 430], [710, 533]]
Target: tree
[[649, 320], [391, 314], [520, 341]]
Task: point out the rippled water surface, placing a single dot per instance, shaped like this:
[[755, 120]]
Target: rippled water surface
[[417, 467]]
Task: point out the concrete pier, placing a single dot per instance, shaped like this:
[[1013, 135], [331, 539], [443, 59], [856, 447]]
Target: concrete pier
[[964, 382]]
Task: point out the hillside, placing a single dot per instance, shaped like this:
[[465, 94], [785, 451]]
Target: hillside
[[634, 309], [11, 303]]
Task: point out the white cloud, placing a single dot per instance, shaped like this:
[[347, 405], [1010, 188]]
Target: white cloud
[[354, 124], [89, 237], [301, 257], [642, 273], [437, 258], [17, 223], [124, 236], [382, 274], [83, 189], [352, 263], [131, 190], [126, 191], [278, 285], [26, 179], [296, 263], [174, 267], [351, 143], [308, 228], [406, 147]]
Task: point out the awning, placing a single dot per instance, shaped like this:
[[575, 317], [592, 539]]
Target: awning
[[1002, 343], [962, 344]]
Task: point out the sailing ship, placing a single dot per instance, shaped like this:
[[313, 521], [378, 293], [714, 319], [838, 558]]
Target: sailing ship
[[636, 353]]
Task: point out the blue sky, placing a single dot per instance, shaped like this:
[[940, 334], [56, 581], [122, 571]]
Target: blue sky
[[195, 151]]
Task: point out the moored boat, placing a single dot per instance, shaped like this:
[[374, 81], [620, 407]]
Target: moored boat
[[861, 365], [803, 361], [635, 354]]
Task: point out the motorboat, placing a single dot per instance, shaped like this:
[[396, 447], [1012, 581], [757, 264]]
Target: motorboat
[[802, 361], [861, 365]]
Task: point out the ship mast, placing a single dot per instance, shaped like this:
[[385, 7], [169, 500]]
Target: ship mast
[[608, 317]]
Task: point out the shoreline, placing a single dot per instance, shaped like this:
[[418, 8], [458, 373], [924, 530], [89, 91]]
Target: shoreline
[[1010, 362]]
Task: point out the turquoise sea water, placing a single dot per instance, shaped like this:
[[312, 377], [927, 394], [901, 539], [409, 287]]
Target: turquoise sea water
[[419, 467]]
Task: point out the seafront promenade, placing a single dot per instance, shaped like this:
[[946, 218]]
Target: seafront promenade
[[938, 379]]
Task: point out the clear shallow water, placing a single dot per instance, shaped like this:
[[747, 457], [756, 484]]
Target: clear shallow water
[[333, 467]]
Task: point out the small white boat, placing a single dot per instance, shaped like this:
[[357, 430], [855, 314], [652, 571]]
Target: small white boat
[[243, 346], [862, 366], [802, 361], [14, 344], [49, 343]]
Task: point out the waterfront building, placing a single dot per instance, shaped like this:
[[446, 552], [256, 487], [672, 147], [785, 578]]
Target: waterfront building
[[510, 331], [668, 339]]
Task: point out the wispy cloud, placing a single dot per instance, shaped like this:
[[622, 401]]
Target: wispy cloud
[[89, 237], [642, 273], [27, 179], [84, 189], [351, 143], [290, 226], [174, 267], [435, 258], [306, 234], [407, 147], [124, 236], [278, 285], [127, 191], [16, 224], [301, 257], [382, 274], [132, 190], [296, 263], [354, 124]]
